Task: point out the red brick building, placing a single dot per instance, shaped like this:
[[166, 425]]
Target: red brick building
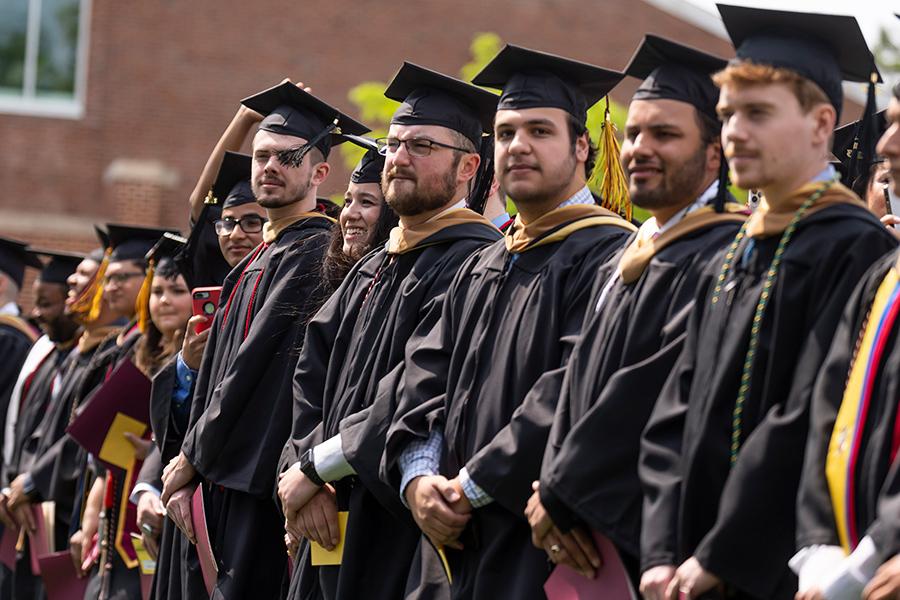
[[108, 110]]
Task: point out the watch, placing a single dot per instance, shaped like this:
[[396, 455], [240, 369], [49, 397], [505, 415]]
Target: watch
[[308, 467]]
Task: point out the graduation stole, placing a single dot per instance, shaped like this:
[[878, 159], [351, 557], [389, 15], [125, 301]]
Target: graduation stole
[[643, 248], [272, 229], [405, 239], [558, 224], [846, 437]]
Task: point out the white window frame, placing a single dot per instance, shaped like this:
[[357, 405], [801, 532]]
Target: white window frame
[[29, 103]]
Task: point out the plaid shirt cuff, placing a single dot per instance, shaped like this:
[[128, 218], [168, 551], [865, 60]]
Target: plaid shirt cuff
[[477, 496], [421, 457]]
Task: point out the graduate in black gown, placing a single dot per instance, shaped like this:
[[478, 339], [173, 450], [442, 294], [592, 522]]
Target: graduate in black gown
[[39, 392], [634, 327], [473, 419], [241, 412], [16, 334], [239, 231], [846, 527], [723, 450], [59, 461], [115, 575], [355, 345]]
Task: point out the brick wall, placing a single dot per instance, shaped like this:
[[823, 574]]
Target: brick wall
[[165, 78]]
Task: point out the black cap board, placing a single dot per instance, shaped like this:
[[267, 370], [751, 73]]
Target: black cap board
[[534, 79], [825, 49], [370, 166], [132, 242], [430, 98], [59, 265], [232, 185], [14, 258], [674, 71], [288, 110], [166, 247]]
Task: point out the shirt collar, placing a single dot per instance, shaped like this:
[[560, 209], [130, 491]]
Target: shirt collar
[[827, 174], [650, 228], [460, 204], [501, 220], [10, 308], [582, 196]]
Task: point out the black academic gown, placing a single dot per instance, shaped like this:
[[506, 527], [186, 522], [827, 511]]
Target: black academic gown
[[177, 567], [120, 577], [627, 347], [353, 350], [739, 520], [15, 342], [508, 325], [872, 483], [58, 460], [241, 413], [34, 400]]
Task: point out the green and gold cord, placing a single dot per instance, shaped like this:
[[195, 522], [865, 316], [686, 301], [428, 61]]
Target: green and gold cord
[[771, 276]]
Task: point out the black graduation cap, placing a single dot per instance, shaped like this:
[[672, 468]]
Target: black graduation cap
[[232, 185], [132, 242], [288, 110], [58, 266], [166, 247], [102, 236], [534, 79], [430, 98], [673, 71], [14, 257], [96, 254], [370, 166], [825, 49]]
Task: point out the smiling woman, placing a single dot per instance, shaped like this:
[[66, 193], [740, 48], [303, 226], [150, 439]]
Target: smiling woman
[[364, 223]]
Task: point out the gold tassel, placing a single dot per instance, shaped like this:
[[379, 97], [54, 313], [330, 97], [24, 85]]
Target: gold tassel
[[86, 308], [608, 178], [142, 304]]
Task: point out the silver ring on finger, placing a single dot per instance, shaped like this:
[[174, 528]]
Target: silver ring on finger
[[146, 528]]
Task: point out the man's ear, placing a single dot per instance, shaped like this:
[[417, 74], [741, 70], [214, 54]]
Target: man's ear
[[824, 119], [320, 173], [582, 147], [468, 168]]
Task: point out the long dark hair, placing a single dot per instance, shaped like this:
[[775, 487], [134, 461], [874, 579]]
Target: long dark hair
[[337, 264], [150, 355]]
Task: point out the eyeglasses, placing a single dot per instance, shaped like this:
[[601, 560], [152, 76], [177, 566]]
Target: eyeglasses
[[418, 147], [121, 278], [247, 223]]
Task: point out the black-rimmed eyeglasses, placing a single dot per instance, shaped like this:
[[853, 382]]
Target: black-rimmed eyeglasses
[[247, 223], [418, 147]]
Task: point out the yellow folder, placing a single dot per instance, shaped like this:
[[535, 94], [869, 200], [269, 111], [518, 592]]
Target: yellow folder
[[320, 556]]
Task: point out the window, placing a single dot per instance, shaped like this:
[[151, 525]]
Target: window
[[43, 56]]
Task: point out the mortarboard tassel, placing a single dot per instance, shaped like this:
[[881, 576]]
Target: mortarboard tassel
[[608, 177], [142, 304], [722, 193], [862, 151], [86, 307], [484, 179]]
